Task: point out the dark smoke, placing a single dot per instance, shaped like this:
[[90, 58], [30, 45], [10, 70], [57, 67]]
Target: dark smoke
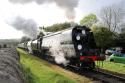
[[27, 26], [67, 5]]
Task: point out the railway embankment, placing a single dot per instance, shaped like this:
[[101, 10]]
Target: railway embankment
[[10, 68]]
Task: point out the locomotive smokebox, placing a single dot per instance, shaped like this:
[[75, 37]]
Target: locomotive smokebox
[[82, 37]]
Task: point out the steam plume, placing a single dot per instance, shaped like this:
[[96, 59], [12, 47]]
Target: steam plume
[[58, 54], [27, 26], [67, 5]]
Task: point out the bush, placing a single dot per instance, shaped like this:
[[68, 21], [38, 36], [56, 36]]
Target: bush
[[4, 46]]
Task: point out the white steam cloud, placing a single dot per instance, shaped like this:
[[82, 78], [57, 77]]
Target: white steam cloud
[[58, 54], [27, 26], [67, 5]]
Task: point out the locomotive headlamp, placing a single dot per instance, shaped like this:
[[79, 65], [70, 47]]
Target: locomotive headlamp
[[79, 47], [83, 31], [78, 37]]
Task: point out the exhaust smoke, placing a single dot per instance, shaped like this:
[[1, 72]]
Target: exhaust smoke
[[68, 5], [27, 26]]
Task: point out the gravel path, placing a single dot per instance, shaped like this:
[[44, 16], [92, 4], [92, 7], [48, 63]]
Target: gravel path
[[10, 70]]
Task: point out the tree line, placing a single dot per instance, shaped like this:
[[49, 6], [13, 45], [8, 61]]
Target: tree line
[[108, 27]]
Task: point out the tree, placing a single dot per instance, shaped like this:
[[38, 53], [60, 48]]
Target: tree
[[121, 39], [24, 39], [122, 28], [89, 20], [57, 27], [5, 46], [103, 37], [112, 16], [0, 46]]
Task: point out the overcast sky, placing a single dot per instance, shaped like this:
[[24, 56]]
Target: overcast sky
[[45, 14]]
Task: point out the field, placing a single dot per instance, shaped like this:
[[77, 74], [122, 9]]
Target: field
[[40, 71], [111, 66]]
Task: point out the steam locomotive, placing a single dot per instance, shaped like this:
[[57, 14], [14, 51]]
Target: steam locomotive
[[74, 46]]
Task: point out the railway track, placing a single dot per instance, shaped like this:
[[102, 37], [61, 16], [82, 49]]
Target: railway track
[[100, 76], [111, 78]]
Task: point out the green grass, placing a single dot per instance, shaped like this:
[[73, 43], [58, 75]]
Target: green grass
[[111, 66], [38, 71]]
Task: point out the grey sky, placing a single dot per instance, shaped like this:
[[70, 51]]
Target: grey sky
[[46, 14], [94, 6]]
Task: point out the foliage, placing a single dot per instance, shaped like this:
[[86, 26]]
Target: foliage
[[114, 67], [89, 20], [5, 46], [25, 39], [120, 41], [57, 27], [104, 38]]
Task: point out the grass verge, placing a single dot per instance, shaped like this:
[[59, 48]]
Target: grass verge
[[111, 66], [40, 71]]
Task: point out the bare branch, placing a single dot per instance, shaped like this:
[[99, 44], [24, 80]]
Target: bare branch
[[112, 16]]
